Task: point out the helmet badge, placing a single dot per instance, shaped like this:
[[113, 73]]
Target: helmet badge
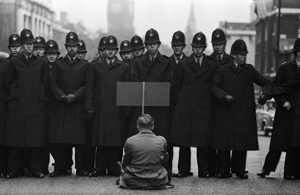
[[177, 36], [71, 36], [14, 38], [218, 34], [38, 40], [125, 44], [51, 44], [136, 41]]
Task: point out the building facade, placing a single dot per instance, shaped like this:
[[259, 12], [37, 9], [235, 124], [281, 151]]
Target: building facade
[[267, 53], [15, 15]]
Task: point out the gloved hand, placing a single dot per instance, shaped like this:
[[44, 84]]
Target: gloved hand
[[88, 115], [287, 105], [262, 99], [228, 99], [63, 98], [70, 98]]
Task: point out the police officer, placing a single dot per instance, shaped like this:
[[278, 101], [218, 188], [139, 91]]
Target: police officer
[[152, 67], [39, 46], [235, 125], [125, 51], [178, 45], [67, 128], [108, 131], [14, 45], [51, 53], [26, 77], [219, 57], [192, 120], [3, 105], [81, 52], [137, 46], [101, 54]]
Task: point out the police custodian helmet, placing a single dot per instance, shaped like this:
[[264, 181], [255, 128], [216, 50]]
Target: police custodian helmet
[[218, 36], [137, 43], [239, 47], [199, 40], [125, 46], [26, 36], [101, 43], [111, 42], [178, 38], [297, 45], [14, 40], [81, 47], [152, 37], [40, 42], [72, 39], [51, 47]]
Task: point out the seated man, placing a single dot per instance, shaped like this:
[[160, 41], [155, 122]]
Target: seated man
[[145, 159]]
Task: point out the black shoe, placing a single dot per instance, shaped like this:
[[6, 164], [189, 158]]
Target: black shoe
[[11, 175], [204, 175], [263, 173], [2, 175], [223, 175], [68, 172], [82, 172], [242, 175], [38, 175], [25, 173], [57, 174], [289, 177], [97, 173], [182, 175]]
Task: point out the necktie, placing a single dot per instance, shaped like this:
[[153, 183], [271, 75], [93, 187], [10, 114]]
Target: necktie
[[219, 59], [110, 63], [152, 59], [178, 59], [198, 62]]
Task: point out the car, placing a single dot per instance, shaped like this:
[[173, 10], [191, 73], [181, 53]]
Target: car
[[3, 54], [265, 116]]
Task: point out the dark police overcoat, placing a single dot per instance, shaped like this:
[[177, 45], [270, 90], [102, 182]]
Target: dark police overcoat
[[144, 70], [235, 126], [292, 86], [3, 99], [26, 80], [67, 120], [283, 120], [101, 95], [192, 121]]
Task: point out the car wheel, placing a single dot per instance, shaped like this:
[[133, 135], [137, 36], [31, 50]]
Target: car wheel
[[264, 129]]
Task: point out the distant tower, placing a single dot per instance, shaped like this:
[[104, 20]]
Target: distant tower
[[190, 30], [120, 15]]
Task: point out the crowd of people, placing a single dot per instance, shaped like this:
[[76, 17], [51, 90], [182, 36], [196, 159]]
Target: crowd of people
[[51, 104]]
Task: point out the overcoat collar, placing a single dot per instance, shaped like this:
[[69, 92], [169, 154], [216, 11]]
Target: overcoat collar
[[198, 69], [239, 70], [115, 63]]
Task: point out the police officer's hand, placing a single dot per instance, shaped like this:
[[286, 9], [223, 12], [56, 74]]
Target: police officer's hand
[[287, 105], [228, 99], [70, 98], [63, 97], [262, 99], [88, 115]]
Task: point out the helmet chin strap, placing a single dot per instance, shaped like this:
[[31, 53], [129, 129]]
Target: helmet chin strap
[[239, 60]]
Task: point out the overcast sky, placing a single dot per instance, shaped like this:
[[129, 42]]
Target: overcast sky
[[166, 16]]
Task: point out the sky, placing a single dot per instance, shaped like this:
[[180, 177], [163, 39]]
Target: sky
[[166, 16]]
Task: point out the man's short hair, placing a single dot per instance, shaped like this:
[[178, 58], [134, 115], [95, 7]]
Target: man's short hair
[[145, 121]]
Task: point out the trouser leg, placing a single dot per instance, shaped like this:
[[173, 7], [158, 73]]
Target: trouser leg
[[184, 161], [238, 161], [35, 159], [202, 160], [101, 159], [170, 161], [59, 154], [45, 160], [290, 162], [80, 157], [69, 156], [114, 156], [223, 161], [4, 153], [212, 161], [14, 160], [271, 160], [90, 155]]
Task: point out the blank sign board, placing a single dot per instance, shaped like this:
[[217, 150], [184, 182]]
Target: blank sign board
[[131, 94]]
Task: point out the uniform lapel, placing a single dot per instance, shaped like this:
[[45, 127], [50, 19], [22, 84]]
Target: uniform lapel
[[204, 67]]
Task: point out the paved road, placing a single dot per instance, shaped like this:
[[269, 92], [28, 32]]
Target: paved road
[[274, 184]]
